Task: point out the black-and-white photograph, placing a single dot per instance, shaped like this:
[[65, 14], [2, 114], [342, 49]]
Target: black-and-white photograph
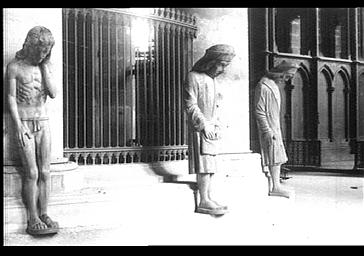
[[183, 126]]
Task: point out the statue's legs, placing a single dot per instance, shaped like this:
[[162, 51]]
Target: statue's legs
[[206, 205], [203, 182], [209, 192], [269, 177], [277, 189], [30, 189], [43, 142]]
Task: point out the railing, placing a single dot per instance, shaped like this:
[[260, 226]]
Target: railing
[[123, 84], [359, 155], [303, 153]]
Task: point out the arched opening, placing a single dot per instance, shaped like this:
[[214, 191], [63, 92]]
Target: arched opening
[[324, 83], [340, 107]]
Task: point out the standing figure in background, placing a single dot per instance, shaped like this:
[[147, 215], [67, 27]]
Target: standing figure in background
[[204, 128], [29, 80], [267, 112]]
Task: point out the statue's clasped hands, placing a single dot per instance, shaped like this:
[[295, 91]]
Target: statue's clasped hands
[[210, 132], [269, 137]]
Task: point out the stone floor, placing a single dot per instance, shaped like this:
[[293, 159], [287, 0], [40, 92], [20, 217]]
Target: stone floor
[[326, 209]]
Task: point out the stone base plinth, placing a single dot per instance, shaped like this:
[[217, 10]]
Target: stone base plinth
[[64, 178]]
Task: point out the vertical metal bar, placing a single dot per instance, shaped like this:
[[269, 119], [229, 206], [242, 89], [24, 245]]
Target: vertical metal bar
[[179, 90], [189, 55], [76, 80], [151, 87], [156, 58], [101, 80], [173, 89], [163, 85], [168, 86], [137, 86], [94, 25], [66, 85], [84, 78], [145, 100], [124, 81], [117, 21], [108, 79], [131, 86], [137, 79], [184, 76], [185, 72]]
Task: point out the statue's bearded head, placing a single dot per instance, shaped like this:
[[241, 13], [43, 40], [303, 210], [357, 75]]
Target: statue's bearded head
[[37, 46]]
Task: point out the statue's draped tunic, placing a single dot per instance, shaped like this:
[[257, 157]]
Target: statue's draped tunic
[[201, 105], [267, 111]]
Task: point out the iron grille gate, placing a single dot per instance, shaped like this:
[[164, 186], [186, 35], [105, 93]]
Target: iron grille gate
[[123, 84]]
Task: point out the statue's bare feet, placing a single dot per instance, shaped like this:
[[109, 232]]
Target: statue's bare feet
[[280, 192], [209, 207], [36, 227], [219, 205], [207, 204], [48, 221]]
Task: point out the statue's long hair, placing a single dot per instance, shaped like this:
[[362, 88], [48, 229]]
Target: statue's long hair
[[36, 36]]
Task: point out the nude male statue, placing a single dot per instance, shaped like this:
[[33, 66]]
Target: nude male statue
[[29, 83]]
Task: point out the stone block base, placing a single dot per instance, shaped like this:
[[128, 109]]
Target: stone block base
[[64, 178]]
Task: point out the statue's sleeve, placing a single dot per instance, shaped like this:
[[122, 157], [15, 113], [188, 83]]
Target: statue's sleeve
[[260, 100], [194, 113]]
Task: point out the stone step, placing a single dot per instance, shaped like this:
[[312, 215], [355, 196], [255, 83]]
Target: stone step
[[133, 194], [107, 206], [104, 206], [70, 177]]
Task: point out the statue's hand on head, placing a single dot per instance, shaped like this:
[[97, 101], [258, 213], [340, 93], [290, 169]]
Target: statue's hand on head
[[46, 60]]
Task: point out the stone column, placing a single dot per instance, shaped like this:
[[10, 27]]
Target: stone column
[[16, 24]]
